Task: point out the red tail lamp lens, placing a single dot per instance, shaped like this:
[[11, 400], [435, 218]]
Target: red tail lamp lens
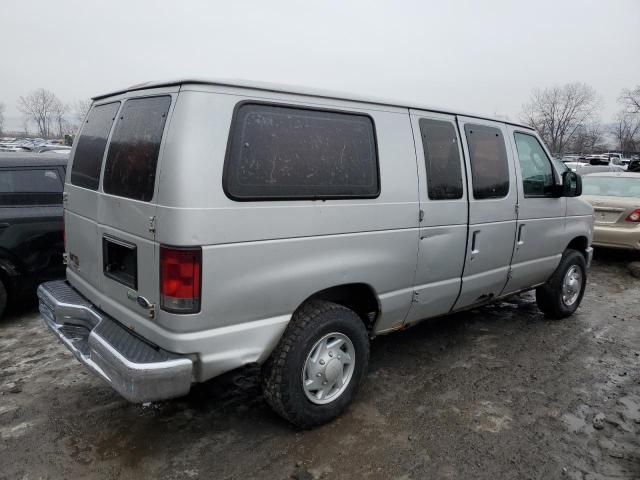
[[180, 279], [634, 216]]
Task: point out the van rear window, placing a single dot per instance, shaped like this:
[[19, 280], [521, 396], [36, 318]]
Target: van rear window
[[87, 161], [130, 170], [286, 153]]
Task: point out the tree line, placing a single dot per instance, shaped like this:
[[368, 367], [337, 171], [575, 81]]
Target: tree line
[[51, 116], [567, 117]]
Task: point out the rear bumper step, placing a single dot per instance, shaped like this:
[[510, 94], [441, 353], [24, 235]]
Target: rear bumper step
[[137, 370]]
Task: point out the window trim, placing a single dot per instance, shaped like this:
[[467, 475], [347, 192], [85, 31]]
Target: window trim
[[506, 154], [552, 193], [275, 198], [461, 162]]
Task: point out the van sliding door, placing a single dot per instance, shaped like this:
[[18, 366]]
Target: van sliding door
[[444, 210]]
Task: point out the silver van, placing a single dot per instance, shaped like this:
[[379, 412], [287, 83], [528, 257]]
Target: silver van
[[212, 225]]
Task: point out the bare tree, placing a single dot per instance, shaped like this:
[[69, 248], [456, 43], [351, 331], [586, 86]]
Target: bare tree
[[588, 139], [630, 99], [2, 110], [626, 131], [80, 109], [59, 111], [40, 106], [557, 113]]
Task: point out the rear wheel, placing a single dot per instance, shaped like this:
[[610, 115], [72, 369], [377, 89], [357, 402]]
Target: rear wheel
[[315, 371], [563, 292]]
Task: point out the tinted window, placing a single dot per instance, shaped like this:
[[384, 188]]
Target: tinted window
[[292, 153], [489, 165], [442, 159], [537, 176], [30, 181], [130, 170], [87, 160], [611, 186], [37, 186]]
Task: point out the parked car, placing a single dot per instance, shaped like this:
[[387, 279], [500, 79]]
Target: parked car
[[589, 169], [634, 166], [616, 203], [52, 148], [574, 166], [31, 223], [236, 224]]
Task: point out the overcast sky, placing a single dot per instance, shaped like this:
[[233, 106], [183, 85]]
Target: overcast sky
[[480, 56]]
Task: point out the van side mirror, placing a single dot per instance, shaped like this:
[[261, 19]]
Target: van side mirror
[[571, 184]]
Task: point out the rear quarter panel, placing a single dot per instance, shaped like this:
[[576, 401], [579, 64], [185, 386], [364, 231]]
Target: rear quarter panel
[[263, 259]]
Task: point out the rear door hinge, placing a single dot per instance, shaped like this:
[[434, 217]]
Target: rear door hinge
[[152, 224], [415, 298], [517, 208], [65, 198]]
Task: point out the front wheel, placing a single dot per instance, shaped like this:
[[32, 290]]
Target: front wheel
[[314, 372], [563, 292]]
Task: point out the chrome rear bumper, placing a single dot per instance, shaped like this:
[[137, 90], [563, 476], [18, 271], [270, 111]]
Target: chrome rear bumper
[[137, 370]]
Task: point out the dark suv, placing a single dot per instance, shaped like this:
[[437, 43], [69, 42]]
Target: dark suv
[[31, 224], [634, 165]]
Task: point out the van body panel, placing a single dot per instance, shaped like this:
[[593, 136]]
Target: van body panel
[[443, 234], [492, 227], [341, 241], [110, 217]]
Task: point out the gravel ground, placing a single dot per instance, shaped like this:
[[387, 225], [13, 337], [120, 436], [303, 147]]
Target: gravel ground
[[496, 393]]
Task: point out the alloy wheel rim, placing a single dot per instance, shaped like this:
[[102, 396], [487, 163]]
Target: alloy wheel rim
[[571, 286], [328, 368]]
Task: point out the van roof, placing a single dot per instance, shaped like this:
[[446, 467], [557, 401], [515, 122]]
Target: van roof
[[300, 90]]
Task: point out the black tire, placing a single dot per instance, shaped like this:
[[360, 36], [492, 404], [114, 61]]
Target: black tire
[[549, 296], [282, 373], [3, 297]]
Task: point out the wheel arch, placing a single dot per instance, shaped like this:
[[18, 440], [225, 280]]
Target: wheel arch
[[579, 243], [359, 297]]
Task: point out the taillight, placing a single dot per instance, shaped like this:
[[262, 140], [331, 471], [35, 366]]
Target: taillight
[[180, 279], [634, 216]]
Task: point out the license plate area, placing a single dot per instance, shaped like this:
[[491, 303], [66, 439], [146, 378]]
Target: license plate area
[[606, 215], [120, 261]]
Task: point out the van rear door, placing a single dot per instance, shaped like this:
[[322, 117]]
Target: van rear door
[[111, 225]]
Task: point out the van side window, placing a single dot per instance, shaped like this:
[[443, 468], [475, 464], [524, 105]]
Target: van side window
[[87, 161], [130, 169], [287, 153], [442, 159], [537, 176], [489, 164]]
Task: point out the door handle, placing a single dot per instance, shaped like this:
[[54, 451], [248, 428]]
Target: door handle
[[474, 244], [520, 235]]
